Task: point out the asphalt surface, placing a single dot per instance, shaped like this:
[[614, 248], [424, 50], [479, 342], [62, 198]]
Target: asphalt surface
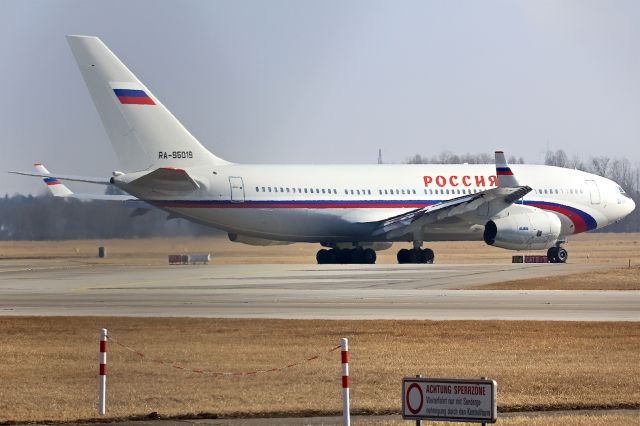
[[306, 291]]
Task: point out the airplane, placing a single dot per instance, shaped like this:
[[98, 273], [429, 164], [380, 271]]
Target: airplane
[[350, 210]]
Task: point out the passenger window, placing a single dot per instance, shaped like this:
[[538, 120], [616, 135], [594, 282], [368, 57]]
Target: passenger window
[[403, 192], [257, 189], [287, 189], [323, 190], [305, 190], [263, 189], [317, 191], [269, 188], [346, 191], [358, 191], [413, 190], [335, 191]]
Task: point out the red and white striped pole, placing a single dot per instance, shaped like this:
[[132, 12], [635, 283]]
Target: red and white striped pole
[[346, 416], [102, 390]]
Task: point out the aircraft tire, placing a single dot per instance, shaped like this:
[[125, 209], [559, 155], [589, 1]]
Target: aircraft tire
[[428, 255], [552, 254], [344, 256], [322, 257], [403, 256], [333, 256], [357, 256], [369, 256], [561, 255], [415, 256]]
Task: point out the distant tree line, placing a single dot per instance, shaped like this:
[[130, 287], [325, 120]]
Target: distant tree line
[[448, 157], [48, 218], [620, 170]]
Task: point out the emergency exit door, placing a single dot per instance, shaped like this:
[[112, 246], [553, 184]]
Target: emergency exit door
[[594, 192], [237, 189]]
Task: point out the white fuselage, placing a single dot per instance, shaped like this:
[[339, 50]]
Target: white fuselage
[[339, 203]]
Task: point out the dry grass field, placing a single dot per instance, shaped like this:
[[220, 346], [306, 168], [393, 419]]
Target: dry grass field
[[621, 278], [49, 365], [609, 249]]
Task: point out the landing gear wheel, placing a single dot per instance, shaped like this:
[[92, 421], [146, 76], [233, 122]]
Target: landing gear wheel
[[333, 256], [357, 256], [562, 255], [557, 255], [415, 256], [322, 256], [344, 256], [403, 256], [428, 255], [369, 256]]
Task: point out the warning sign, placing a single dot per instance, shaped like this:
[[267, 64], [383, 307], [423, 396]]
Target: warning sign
[[457, 400]]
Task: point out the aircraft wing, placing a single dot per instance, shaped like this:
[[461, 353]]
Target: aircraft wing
[[414, 220], [507, 192]]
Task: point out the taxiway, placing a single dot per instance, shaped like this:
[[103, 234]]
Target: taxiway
[[307, 292]]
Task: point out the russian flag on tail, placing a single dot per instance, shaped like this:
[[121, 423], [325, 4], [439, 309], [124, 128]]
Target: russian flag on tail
[[51, 181], [133, 96], [503, 171]]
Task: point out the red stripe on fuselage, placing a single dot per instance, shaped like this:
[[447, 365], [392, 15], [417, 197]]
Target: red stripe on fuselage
[[580, 225], [291, 205]]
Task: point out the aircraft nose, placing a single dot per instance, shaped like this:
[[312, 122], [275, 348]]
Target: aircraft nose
[[631, 205]]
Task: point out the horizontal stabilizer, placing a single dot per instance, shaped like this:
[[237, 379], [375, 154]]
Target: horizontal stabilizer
[[72, 178], [166, 180]]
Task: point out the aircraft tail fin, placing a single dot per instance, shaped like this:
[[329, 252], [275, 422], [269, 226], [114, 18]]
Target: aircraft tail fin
[[506, 178], [144, 134]]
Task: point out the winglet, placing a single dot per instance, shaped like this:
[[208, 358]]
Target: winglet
[[56, 187], [506, 177]]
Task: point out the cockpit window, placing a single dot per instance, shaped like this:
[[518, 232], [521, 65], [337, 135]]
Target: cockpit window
[[621, 190]]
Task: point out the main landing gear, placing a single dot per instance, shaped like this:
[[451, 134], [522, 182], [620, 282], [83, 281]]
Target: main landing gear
[[416, 254], [345, 255], [557, 255]]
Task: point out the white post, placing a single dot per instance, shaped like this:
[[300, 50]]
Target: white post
[[346, 416], [102, 390]]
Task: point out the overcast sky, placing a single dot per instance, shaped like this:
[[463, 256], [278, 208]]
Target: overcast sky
[[329, 81]]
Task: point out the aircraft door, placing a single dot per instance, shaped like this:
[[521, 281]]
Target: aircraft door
[[237, 189], [594, 192]]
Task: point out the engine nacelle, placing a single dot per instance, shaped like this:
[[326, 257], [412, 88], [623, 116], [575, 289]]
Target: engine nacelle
[[525, 231], [254, 241]]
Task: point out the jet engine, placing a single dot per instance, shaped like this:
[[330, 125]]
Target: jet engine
[[524, 231], [254, 241]]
